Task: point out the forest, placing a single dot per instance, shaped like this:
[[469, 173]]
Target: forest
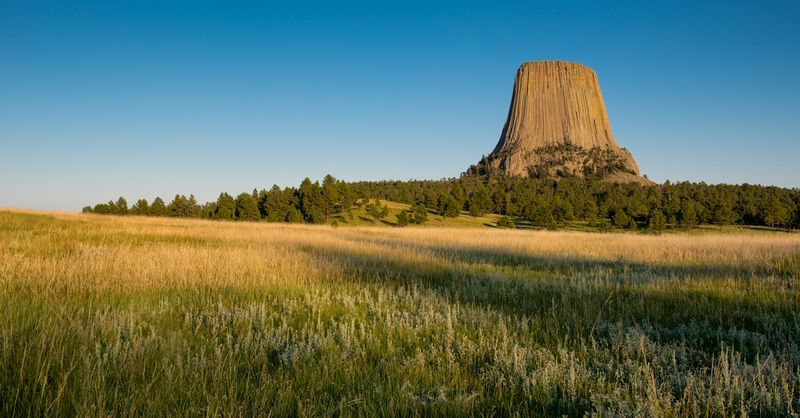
[[535, 202]]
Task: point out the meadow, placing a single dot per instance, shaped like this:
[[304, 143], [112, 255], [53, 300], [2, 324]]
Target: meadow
[[123, 316]]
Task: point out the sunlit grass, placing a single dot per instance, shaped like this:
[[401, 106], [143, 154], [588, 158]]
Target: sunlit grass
[[145, 316]]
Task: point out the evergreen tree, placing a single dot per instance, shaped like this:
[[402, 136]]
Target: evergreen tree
[[179, 207], [403, 218], [774, 213], [688, 214], [796, 217], [419, 213], [590, 211], [275, 204], [226, 208], [247, 208], [722, 213], [294, 216], [330, 196], [505, 222], [656, 221], [121, 207], [311, 201], [562, 210], [192, 207], [158, 208], [479, 201], [621, 219], [140, 208], [448, 205], [540, 214]]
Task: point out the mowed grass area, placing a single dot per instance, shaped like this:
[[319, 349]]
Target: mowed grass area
[[104, 315]]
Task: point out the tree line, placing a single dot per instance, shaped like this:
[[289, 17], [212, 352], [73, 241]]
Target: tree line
[[545, 203]]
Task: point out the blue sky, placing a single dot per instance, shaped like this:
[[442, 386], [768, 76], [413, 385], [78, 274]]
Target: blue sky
[[101, 99]]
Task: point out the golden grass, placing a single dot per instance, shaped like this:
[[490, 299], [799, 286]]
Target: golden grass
[[375, 320]]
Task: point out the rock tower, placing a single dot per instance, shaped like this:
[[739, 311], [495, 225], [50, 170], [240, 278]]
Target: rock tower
[[557, 125]]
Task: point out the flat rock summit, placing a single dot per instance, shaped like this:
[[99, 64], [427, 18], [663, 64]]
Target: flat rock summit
[[557, 126]]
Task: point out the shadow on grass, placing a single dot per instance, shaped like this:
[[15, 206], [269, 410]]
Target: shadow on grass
[[622, 268], [621, 296]]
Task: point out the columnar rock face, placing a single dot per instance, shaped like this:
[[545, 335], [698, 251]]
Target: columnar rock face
[[557, 125]]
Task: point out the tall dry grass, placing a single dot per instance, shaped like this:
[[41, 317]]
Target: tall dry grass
[[152, 316]]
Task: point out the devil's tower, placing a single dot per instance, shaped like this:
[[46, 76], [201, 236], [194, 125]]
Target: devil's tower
[[557, 126]]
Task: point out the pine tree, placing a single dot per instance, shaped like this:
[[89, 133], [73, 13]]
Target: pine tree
[[311, 201], [656, 221], [247, 208], [688, 214], [590, 211], [226, 207], [330, 196], [121, 207], [192, 207], [722, 213], [294, 216], [774, 213], [158, 208], [506, 222], [140, 208], [419, 213], [540, 214], [621, 219], [179, 207], [403, 218], [479, 201], [448, 205]]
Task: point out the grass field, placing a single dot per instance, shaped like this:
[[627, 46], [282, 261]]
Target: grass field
[[103, 315]]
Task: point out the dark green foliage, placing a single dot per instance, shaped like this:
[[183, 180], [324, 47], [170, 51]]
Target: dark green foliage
[[479, 201], [722, 213], [687, 214], [656, 221], [544, 202], [247, 208], [330, 196], [294, 215], [621, 219], [796, 218], [315, 215], [158, 208], [226, 208], [541, 215], [183, 207], [121, 207], [404, 217], [447, 205], [773, 212], [419, 213], [312, 201], [562, 210], [376, 210], [140, 208], [506, 222], [274, 205]]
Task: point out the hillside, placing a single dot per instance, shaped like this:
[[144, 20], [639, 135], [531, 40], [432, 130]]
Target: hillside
[[360, 217]]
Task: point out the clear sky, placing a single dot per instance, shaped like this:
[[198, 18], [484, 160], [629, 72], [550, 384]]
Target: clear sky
[[145, 98]]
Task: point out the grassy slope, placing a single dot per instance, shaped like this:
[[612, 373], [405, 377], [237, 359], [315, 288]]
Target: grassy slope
[[138, 316], [361, 218]]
